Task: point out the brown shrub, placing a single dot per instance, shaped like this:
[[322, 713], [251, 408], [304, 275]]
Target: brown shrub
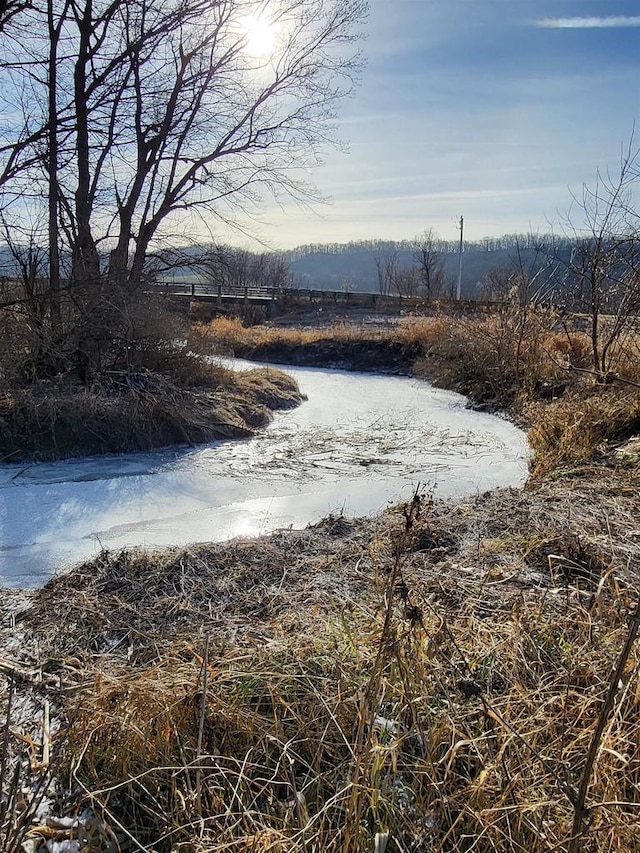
[[572, 430], [576, 346], [487, 359]]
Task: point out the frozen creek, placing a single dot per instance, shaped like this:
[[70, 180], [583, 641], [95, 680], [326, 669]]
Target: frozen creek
[[360, 442]]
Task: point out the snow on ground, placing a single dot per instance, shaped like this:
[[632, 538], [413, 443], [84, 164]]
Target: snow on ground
[[360, 442]]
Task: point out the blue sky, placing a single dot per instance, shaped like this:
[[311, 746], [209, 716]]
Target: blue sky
[[491, 109]]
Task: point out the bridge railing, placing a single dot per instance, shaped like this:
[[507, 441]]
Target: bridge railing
[[353, 299], [220, 291], [248, 292]]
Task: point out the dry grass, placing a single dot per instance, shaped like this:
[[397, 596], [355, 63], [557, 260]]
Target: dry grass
[[573, 429], [491, 358], [537, 375], [147, 389], [323, 690], [228, 335], [341, 344], [139, 411], [496, 360]]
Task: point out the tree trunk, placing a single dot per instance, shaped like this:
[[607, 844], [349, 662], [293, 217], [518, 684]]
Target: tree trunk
[[53, 189], [85, 271]]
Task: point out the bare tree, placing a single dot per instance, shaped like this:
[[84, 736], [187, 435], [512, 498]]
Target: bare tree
[[233, 268], [163, 108], [24, 300], [601, 277], [429, 261], [407, 282], [386, 262], [9, 9], [394, 278], [271, 269]]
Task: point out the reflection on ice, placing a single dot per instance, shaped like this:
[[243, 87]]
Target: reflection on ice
[[360, 442]]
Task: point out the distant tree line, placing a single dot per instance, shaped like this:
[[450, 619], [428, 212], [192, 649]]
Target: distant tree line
[[505, 242]]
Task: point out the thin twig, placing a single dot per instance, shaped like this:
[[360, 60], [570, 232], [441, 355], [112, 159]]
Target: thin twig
[[581, 813], [603, 378], [203, 711]]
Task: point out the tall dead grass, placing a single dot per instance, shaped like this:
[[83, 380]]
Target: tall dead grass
[[541, 375], [229, 334], [140, 411], [411, 721], [495, 360], [572, 430]]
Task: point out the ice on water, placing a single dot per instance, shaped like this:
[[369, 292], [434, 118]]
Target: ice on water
[[359, 443]]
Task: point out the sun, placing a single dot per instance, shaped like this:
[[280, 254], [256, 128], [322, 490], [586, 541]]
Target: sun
[[260, 35]]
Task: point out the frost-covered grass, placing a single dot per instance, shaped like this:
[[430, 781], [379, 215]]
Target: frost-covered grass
[[445, 677]]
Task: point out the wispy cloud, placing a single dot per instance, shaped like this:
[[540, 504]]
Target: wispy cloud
[[591, 23]]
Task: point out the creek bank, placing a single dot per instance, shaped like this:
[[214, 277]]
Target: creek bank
[[143, 411], [569, 531], [358, 443], [363, 356], [255, 660], [378, 354]]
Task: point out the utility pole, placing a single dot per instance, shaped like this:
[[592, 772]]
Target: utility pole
[[459, 287]]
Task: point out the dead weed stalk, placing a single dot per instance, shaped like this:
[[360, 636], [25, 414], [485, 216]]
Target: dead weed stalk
[[29, 772]]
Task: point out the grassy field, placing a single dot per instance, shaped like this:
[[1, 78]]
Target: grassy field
[[443, 677]]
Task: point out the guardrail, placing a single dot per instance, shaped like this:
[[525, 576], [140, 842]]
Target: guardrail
[[218, 291], [353, 299], [262, 294]]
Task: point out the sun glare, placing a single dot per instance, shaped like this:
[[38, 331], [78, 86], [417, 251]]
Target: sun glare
[[260, 35]]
